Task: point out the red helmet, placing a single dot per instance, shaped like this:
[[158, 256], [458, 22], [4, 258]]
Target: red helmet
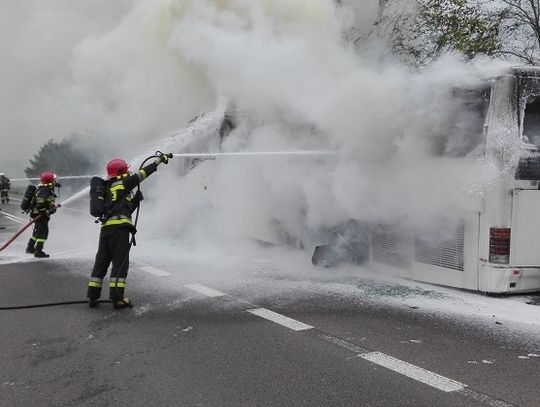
[[117, 167], [47, 177]]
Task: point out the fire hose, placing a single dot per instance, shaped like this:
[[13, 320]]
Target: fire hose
[[19, 232]]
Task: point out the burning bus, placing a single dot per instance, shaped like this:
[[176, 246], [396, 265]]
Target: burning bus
[[491, 245]]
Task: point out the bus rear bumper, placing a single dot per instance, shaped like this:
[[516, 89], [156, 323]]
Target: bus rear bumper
[[499, 279]]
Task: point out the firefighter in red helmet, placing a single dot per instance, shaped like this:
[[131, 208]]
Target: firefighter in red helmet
[[43, 205], [116, 227]]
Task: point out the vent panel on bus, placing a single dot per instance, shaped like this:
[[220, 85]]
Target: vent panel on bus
[[443, 252], [391, 247]]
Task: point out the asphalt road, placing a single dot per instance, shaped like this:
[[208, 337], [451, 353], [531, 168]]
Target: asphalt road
[[190, 343]]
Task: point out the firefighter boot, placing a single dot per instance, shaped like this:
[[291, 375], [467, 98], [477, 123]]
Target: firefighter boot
[[30, 248], [39, 251], [94, 292], [123, 303], [116, 294]]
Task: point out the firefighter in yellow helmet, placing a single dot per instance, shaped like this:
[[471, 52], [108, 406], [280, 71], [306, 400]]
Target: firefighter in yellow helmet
[[116, 228]]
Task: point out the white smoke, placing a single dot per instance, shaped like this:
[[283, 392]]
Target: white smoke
[[132, 72], [285, 62], [37, 39], [97, 68]]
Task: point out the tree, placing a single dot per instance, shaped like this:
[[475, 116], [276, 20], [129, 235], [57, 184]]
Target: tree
[[458, 26], [433, 27], [521, 30], [63, 158], [422, 30]]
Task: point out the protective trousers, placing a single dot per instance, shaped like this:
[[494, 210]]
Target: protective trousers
[[113, 247], [40, 233]]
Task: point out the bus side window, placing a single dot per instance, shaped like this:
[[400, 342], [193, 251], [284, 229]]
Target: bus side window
[[467, 137], [531, 120]]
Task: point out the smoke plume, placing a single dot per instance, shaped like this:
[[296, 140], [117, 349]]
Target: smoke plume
[[128, 73]]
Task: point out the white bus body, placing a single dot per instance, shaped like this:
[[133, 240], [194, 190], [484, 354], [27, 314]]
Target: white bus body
[[494, 248]]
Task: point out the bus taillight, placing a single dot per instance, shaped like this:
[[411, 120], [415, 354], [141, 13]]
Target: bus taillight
[[499, 245]]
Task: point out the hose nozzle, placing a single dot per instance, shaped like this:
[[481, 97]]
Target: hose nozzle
[[162, 157]]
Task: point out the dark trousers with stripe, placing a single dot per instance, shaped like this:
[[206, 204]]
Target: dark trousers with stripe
[[113, 248], [40, 233]]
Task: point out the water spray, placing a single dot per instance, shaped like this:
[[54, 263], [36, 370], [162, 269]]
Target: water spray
[[76, 196], [316, 153], [258, 154], [63, 177]]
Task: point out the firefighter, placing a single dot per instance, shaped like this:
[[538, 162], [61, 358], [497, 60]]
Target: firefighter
[[42, 207], [5, 185], [116, 227]]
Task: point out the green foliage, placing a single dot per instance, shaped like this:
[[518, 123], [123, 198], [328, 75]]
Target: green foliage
[[419, 31], [63, 158], [456, 25], [433, 27]]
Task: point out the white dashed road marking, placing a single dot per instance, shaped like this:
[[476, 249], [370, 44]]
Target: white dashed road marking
[[414, 372], [209, 292], [280, 319], [154, 271]]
